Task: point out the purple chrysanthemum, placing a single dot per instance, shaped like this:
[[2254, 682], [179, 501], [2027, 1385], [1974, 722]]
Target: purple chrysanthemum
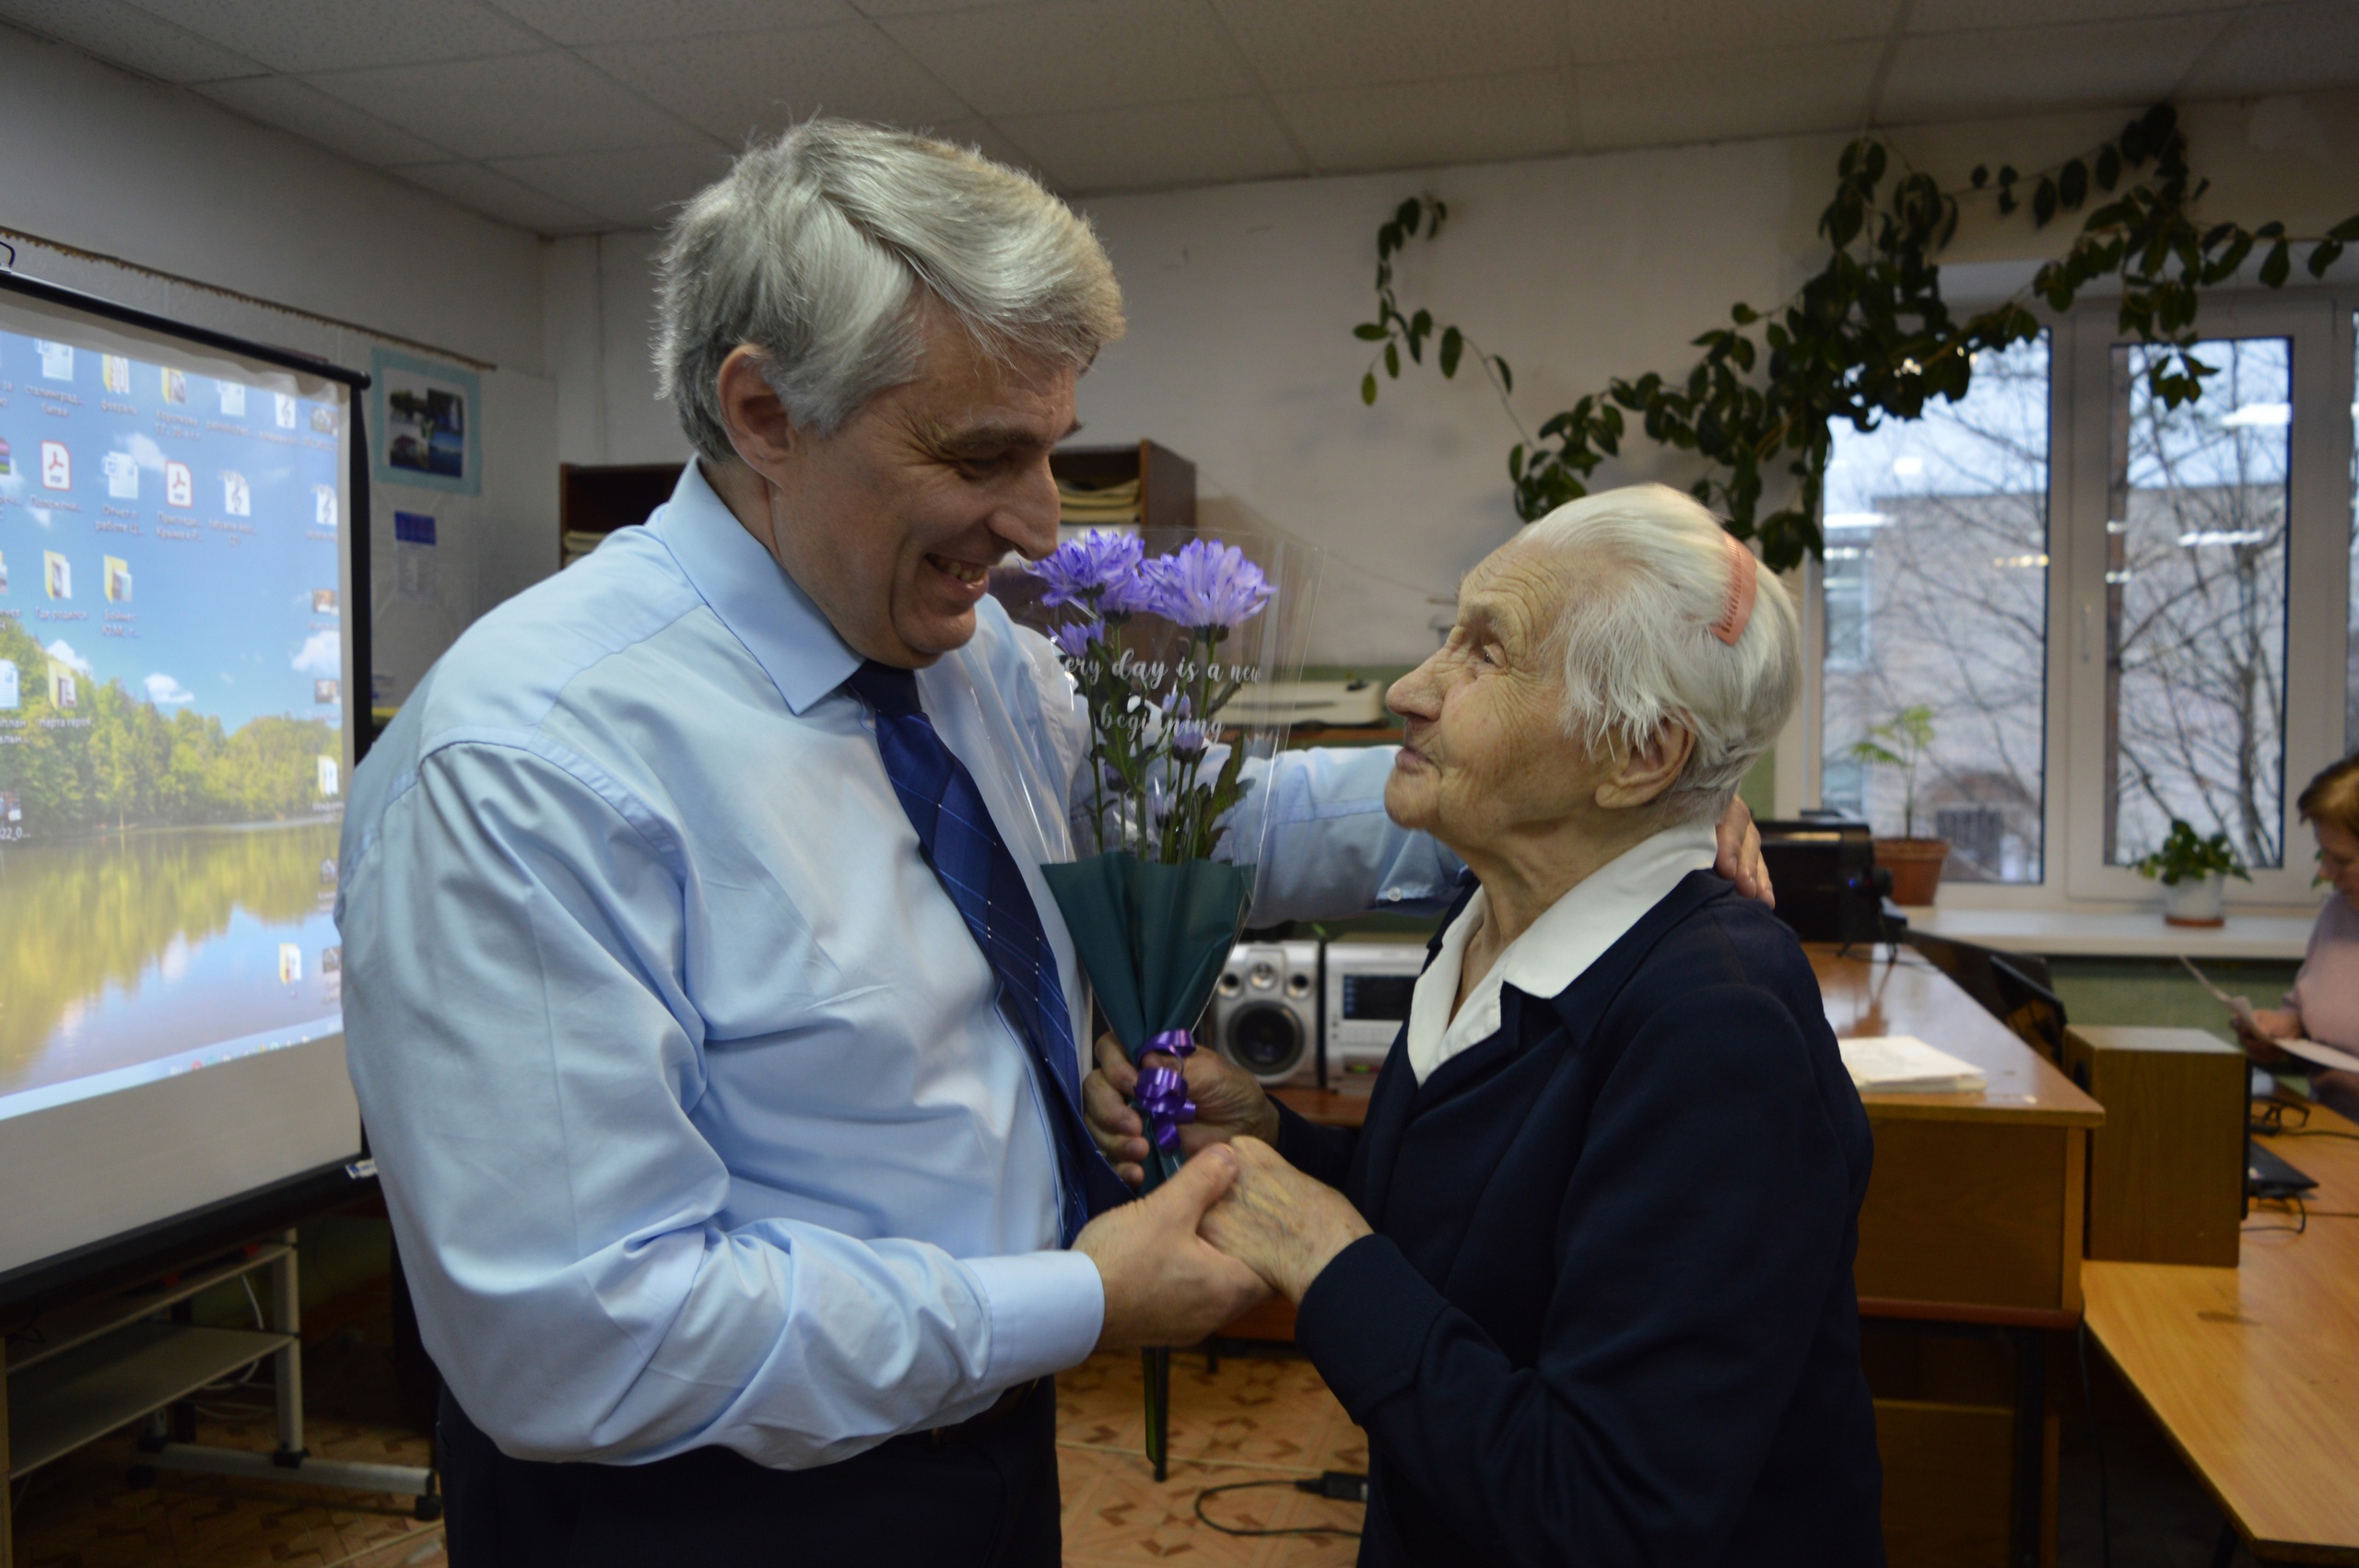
[[1211, 584], [1085, 568], [1144, 590], [1074, 639], [1190, 737]]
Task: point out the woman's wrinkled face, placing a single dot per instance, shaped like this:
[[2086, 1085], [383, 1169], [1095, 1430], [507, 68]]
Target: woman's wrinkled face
[[1487, 760], [2339, 859]]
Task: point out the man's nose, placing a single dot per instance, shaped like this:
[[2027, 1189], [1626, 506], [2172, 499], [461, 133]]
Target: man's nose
[[1029, 520], [1411, 695]]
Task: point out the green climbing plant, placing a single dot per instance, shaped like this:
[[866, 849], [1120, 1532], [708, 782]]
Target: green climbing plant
[[1869, 336]]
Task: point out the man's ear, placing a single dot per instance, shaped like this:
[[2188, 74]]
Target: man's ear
[[758, 422], [1649, 769]]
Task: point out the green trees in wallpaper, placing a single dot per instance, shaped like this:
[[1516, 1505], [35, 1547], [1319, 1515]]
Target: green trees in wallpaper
[[133, 766]]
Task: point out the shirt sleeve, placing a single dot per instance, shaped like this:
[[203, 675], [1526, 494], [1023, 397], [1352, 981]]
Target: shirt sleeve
[[1314, 820], [529, 1066]]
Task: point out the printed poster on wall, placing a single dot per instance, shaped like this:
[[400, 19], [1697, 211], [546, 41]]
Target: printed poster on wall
[[429, 427]]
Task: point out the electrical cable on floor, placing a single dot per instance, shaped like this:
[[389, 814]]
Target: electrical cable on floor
[[1341, 1486], [2299, 1208], [2097, 1445]]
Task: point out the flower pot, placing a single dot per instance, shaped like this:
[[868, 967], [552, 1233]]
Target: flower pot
[[1915, 865], [2196, 901]]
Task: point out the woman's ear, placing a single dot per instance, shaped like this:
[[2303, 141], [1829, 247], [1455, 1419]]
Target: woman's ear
[[1650, 768]]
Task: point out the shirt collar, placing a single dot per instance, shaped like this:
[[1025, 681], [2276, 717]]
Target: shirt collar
[[763, 608]]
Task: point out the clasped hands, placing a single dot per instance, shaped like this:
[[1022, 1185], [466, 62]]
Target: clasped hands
[[1235, 1225]]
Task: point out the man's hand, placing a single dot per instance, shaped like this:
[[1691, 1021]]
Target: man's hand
[[1739, 858], [2274, 1024], [1286, 1225], [1228, 1102], [1165, 1285]]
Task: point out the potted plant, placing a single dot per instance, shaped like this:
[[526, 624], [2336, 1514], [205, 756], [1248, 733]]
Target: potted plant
[[1901, 742], [2194, 872]]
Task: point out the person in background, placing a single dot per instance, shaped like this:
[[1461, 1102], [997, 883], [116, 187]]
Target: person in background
[[1587, 1281], [2324, 1004]]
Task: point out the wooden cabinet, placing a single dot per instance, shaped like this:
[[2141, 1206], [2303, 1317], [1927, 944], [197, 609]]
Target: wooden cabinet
[[594, 499], [2167, 1169]]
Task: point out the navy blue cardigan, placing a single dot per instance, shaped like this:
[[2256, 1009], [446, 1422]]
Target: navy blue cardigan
[[1607, 1315]]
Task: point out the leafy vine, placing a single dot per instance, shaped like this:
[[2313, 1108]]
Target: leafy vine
[[1868, 337]]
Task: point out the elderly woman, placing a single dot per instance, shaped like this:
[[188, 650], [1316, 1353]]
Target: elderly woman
[[2324, 1004], [1585, 1275]]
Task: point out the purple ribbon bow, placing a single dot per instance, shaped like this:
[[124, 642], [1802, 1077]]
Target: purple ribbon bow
[[1162, 1094]]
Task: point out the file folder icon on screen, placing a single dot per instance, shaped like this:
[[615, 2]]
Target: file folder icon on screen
[[290, 963], [118, 581], [57, 575]]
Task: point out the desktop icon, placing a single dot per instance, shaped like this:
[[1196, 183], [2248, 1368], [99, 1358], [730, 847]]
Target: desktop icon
[[323, 602], [114, 374], [8, 695], [56, 466], [4, 574], [64, 696], [290, 963], [324, 419], [330, 777], [236, 500], [12, 811], [233, 399], [180, 485], [7, 465], [118, 575], [324, 692], [285, 411], [323, 503], [175, 385], [123, 475], [56, 360], [57, 575]]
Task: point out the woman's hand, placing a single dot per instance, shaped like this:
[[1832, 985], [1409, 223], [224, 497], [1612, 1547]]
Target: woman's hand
[[1284, 1225], [1740, 858], [2268, 1025], [1228, 1102]]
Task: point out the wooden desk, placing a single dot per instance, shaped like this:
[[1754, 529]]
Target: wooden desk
[[2253, 1371], [1970, 1240]]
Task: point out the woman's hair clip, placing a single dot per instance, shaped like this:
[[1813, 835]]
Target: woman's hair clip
[[1744, 574]]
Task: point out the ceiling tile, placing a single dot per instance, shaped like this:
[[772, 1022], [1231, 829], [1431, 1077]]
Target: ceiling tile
[[2282, 48], [516, 106], [291, 106], [335, 37], [2017, 70], [1075, 55], [1150, 145], [759, 83], [496, 196], [1613, 30], [637, 188], [927, 8], [1724, 97], [1955, 15], [118, 34], [1333, 43], [1416, 125], [618, 21]]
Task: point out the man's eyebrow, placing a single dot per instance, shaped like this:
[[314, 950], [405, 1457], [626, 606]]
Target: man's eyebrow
[[989, 437]]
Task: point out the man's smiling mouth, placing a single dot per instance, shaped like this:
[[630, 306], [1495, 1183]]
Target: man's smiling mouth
[[965, 571]]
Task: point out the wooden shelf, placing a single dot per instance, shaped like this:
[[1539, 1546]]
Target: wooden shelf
[[64, 1328], [84, 1393], [597, 498]]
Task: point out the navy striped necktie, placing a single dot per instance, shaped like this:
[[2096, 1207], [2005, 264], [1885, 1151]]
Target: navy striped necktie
[[960, 842]]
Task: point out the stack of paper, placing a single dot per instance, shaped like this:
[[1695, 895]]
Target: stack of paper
[[1084, 506], [1904, 1064]]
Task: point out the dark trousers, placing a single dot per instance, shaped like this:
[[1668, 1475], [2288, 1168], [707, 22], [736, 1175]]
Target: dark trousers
[[980, 1496]]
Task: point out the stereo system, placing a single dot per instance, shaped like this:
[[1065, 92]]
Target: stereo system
[[1312, 1015]]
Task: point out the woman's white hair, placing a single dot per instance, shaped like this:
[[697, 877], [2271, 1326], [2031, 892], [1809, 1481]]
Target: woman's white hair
[[822, 249], [1647, 573]]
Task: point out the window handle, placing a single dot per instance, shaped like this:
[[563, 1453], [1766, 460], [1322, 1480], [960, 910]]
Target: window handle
[[2087, 640]]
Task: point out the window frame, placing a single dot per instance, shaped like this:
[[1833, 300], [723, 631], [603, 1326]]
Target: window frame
[[2318, 323]]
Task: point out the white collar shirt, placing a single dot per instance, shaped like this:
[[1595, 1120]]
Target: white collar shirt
[[1555, 951]]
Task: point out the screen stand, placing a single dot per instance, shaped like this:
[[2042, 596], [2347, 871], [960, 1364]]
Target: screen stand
[[96, 1367]]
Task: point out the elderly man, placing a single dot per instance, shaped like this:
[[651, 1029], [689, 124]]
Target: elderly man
[[1587, 1281], [712, 1027]]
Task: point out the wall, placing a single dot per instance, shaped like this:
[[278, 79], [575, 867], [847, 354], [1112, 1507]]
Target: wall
[[1241, 299], [104, 163]]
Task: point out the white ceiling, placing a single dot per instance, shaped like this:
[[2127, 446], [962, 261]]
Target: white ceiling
[[566, 116]]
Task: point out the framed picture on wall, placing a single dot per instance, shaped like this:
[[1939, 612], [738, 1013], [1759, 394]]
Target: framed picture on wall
[[429, 427]]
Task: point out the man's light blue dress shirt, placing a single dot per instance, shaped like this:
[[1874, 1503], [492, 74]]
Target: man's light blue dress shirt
[[698, 1114]]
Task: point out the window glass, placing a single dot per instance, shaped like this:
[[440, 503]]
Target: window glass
[[1935, 605], [2195, 603]]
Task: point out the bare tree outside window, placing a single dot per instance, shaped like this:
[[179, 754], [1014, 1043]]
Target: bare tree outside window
[[2195, 604], [1935, 595]]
